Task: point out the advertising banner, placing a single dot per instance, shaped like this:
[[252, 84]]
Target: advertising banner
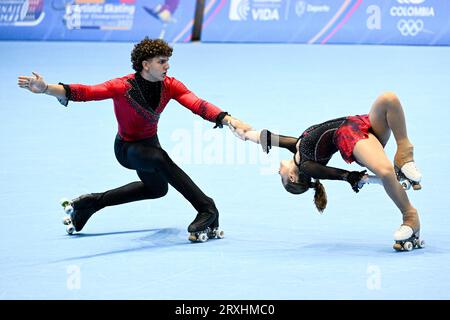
[[96, 20], [411, 22]]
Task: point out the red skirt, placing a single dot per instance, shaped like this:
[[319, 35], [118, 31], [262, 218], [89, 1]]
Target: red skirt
[[349, 133]]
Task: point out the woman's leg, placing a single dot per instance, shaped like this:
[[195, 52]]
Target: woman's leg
[[385, 115], [370, 153]]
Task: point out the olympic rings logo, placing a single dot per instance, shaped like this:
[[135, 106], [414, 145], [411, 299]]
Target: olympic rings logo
[[410, 1], [410, 27]]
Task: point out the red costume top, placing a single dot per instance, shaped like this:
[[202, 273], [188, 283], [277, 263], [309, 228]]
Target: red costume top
[[136, 120]]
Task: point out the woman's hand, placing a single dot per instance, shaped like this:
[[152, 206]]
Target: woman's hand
[[354, 177], [35, 84]]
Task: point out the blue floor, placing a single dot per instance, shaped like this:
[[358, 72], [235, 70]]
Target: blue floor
[[277, 246]]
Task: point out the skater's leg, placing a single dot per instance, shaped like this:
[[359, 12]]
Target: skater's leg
[[370, 153], [386, 115], [86, 205], [151, 186], [145, 158]]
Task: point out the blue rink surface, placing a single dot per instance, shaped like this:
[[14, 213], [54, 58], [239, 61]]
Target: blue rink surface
[[277, 246]]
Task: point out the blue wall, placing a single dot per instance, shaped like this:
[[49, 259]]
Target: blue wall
[[96, 20], [421, 22], [411, 22]]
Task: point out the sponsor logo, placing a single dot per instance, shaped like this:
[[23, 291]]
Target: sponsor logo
[[412, 11], [239, 10], [302, 7], [265, 14], [21, 13], [408, 11], [410, 27], [105, 16], [256, 10], [410, 1]]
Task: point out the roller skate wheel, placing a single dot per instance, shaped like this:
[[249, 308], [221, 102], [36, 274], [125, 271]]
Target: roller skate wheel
[[408, 246], [68, 209], [397, 247], [216, 234], [406, 184], [70, 229], [420, 244], [66, 221], [220, 234], [202, 237]]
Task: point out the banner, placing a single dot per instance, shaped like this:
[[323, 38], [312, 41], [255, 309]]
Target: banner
[[96, 20], [411, 22]]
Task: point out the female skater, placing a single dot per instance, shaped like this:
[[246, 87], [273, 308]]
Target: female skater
[[139, 99], [358, 138]]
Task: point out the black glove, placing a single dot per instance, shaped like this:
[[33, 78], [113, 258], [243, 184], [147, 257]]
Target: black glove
[[353, 177]]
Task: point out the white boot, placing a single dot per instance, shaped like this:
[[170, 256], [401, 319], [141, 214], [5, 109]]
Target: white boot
[[410, 226], [404, 163], [403, 233], [411, 172]]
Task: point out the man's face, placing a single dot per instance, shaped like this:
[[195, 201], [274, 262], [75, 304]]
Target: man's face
[[156, 68]]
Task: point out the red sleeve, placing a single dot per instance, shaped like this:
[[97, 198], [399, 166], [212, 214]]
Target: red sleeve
[[184, 96], [102, 91]]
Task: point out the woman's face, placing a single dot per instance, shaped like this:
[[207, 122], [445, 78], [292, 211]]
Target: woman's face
[[283, 171], [288, 171]]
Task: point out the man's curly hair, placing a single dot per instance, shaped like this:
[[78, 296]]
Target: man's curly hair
[[147, 49]]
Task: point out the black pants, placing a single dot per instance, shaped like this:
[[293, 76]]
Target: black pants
[[155, 170]]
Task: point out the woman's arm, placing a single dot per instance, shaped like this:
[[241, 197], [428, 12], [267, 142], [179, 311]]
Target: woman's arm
[[268, 139], [319, 171]]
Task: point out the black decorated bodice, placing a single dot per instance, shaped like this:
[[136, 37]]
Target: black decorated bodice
[[317, 142]]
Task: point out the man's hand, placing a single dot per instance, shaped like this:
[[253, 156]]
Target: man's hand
[[35, 84], [239, 128]]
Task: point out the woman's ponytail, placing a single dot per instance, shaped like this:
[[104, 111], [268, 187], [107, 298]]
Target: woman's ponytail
[[320, 196]]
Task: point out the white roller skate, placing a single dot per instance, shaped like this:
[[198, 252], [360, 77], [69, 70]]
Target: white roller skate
[[406, 237], [409, 176], [407, 172], [67, 220]]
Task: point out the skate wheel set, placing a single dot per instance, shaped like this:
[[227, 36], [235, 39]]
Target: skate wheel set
[[405, 182], [203, 236], [67, 220], [409, 244]]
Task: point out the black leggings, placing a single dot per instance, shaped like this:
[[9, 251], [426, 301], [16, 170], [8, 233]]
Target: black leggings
[[155, 170]]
